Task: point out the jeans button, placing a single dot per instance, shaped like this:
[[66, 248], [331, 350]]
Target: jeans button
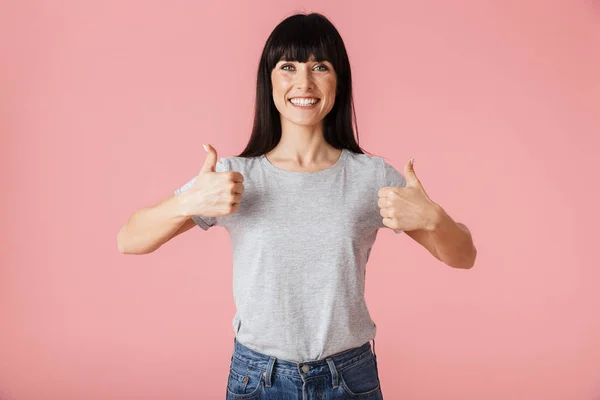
[[305, 368]]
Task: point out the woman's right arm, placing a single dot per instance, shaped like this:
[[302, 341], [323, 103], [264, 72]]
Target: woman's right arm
[[211, 194], [151, 227]]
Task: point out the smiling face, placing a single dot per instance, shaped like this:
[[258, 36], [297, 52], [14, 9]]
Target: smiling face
[[304, 93]]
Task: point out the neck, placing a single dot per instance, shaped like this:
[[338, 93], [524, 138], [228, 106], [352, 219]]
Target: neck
[[303, 145]]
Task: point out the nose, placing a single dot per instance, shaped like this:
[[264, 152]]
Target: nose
[[304, 79]]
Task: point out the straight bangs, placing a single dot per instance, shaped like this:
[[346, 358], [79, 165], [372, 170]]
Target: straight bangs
[[302, 37]]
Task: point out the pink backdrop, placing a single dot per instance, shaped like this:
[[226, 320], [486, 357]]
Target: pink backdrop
[[105, 106]]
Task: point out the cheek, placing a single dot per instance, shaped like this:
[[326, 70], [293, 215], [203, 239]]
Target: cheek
[[280, 88], [329, 87], [281, 81], [331, 84]]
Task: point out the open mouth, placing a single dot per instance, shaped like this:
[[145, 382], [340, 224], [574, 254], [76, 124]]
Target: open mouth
[[304, 103]]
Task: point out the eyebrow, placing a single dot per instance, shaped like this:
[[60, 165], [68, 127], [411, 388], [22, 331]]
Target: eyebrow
[[315, 61]]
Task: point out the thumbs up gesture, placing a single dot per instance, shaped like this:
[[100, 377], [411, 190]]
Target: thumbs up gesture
[[214, 194], [408, 208]]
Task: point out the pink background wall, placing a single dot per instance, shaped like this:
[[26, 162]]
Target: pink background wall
[[104, 109]]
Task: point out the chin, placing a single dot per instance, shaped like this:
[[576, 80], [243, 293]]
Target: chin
[[305, 122]]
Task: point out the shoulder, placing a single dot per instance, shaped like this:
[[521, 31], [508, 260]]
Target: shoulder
[[373, 164], [240, 164], [364, 160], [387, 174]]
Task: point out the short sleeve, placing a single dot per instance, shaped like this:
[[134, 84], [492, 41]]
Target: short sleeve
[[392, 178], [204, 222]]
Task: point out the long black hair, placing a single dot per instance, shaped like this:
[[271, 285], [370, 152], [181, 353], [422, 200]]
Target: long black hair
[[297, 38]]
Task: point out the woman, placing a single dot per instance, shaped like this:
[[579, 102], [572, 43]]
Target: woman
[[313, 203]]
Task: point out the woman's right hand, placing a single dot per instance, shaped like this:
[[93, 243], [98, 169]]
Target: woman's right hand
[[213, 194]]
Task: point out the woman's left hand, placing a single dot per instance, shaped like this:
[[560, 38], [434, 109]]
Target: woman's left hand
[[407, 208]]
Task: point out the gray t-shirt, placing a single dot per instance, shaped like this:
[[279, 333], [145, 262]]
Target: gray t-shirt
[[301, 241]]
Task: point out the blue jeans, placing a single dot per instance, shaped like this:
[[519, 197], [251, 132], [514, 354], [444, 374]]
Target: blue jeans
[[351, 374]]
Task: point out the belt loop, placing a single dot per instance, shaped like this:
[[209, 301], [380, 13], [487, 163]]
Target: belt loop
[[334, 374], [267, 374]]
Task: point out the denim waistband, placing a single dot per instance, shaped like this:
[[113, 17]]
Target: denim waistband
[[305, 369]]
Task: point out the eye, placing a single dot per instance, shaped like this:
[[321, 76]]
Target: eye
[[323, 66]]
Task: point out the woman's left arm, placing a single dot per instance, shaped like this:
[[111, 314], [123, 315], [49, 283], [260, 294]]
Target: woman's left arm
[[448, 241], [410, 209]]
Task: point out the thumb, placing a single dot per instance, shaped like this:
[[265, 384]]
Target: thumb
[[409, 173], [211, 159]]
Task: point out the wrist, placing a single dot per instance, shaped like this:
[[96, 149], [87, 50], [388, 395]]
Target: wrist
[[435, 216], [180, 206]]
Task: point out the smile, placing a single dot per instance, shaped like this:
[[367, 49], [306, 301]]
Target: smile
[[304, 102]]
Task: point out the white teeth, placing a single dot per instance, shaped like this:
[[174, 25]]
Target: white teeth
[[303, 102]]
